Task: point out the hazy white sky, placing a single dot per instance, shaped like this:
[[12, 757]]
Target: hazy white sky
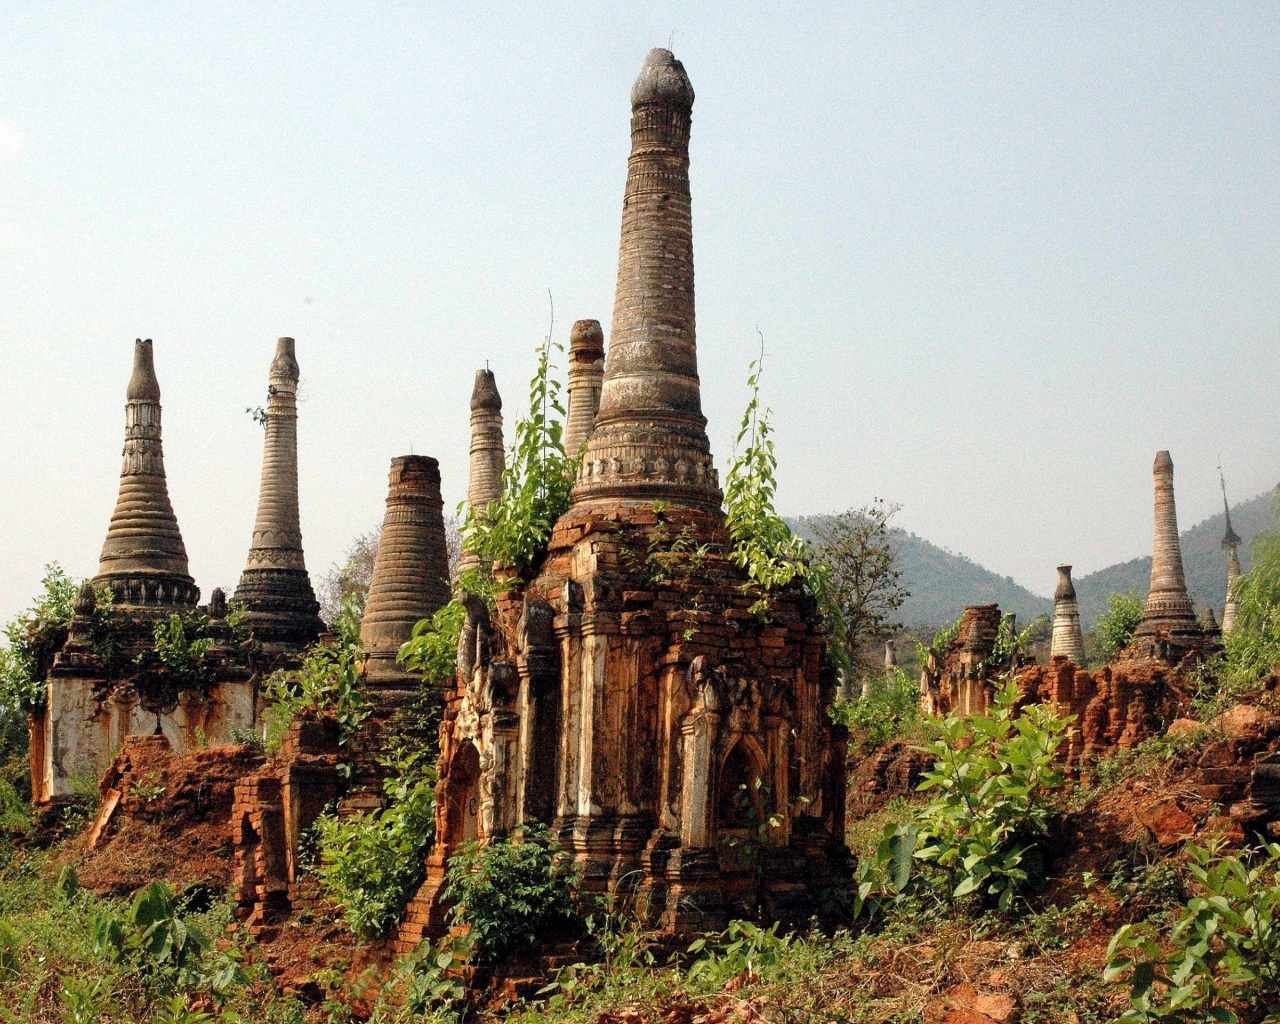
[[1001, 254]]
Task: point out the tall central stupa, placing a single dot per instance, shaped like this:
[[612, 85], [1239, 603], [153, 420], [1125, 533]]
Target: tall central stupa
[[649, 442]]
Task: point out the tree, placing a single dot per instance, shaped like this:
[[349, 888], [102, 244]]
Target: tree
[[1117, 624], [864, 583]]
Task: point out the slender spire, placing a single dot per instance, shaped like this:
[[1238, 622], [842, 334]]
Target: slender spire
[[143, 558], [1231, 542], [1168, 608], [650, 439], [411, 570], [275, 590], [586, 374], [1068, 641], [484, 482]]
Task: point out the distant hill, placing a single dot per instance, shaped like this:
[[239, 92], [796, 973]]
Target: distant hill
[[1202, 558], [942, 583]]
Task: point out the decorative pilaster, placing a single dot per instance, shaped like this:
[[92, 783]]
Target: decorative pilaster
[[650, 440], [410, 572], [275, 590], [144, 561], [1068, 640], [1168, 609]]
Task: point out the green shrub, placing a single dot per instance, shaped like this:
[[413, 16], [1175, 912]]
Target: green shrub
[[149, 932], [34, 638], [1223, 954], [182, 645], [511, 892], [994, 780], [371, 864], [432, 651], [329, 680], [743, 952], [890, 711], [1118, 622], [993, 787]]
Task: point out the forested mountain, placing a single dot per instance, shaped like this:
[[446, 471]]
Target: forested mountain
[[942, 582]]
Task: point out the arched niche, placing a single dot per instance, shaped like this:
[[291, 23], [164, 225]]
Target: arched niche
[[462, 795]]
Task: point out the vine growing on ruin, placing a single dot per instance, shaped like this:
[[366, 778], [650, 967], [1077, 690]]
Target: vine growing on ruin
[[763, 543], [535, 483]]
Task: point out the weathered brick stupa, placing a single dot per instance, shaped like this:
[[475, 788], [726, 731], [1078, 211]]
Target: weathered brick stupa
[[1168, 626], [1068, 640], [275, 590], [99, 691], [586, 377], [144, 561], [488, 458], [410, 571], [679, 745], [649, 442], [1231, 544]]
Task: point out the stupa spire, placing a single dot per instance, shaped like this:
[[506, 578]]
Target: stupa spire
[[1068, 641], [586, 375], [484, 481], [410, 571], [1231, 543], [650, 440], [143, 560], [1168, 609], [275, 590]]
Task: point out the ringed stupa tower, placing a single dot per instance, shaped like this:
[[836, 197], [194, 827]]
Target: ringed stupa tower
[[410, 571], [649, 442], [143, 560], [1168, 609], [1231, 544], [1068, 641], [275, 590], [487, 456], [586, 375]]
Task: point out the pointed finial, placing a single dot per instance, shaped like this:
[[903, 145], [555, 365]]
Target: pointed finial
[[143, 384], [1230, 538], [485, 393], [284, 367], [662, 80]]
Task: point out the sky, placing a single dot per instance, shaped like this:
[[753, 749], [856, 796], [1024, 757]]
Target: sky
[[1000, 254]]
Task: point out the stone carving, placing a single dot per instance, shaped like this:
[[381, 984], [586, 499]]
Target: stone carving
[[1068, 640], [410, 572], [144, 561], [275, 590], [650, 402]]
